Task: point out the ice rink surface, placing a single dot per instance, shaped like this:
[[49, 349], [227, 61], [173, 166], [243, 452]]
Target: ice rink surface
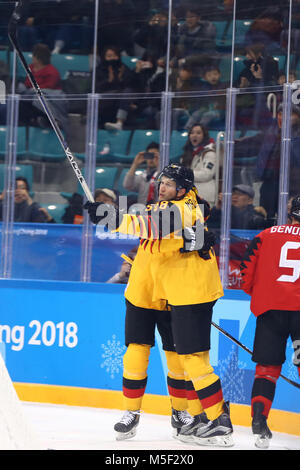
[[79, 428]]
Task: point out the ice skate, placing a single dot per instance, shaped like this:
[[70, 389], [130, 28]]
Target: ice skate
[[126, 427], [180, 419], [260, 428], [186, 432], [217, 432]]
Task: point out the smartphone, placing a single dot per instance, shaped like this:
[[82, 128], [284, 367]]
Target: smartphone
[[149, 155]]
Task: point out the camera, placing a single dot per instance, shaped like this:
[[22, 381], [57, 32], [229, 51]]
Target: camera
[[249, 62], [149, 155]]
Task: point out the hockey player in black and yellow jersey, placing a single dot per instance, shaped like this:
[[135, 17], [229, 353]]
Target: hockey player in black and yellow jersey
[[174, 270]]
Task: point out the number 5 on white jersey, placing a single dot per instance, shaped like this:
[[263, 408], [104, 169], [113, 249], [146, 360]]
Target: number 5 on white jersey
[[289, 263]]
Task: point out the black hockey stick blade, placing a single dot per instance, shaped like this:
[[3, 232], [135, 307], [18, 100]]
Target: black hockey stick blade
[[18, 14], [236, 341]]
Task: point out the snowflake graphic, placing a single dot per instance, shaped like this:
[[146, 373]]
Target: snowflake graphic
[[232, 374], [113, 356]]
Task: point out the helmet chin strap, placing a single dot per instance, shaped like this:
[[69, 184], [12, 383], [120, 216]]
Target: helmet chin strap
[[178, 198]]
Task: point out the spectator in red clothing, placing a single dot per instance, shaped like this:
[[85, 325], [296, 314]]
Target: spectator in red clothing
[[46, 75], [49, 80]]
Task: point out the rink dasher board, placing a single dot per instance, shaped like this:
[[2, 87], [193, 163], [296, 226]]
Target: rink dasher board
[[63, 342]]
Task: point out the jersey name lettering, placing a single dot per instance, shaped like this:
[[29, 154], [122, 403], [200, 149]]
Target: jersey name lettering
[[291, 229]]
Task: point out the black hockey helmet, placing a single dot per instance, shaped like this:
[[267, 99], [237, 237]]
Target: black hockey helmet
[[295, 207], [184, 177]]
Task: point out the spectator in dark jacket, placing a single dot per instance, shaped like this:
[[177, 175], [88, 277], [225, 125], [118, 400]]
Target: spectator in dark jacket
[[25, 210], [267, 29], [244, 215], [266, 147], [195, 36], [112, 76], [152, 38], [261, 69], [73, 213]]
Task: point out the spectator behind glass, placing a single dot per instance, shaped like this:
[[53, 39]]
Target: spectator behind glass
[[105, 195], [210, 109], [182, 79], [25, 210], [260, 70], [152, 38], [282, 76], [149, 78], [73, 213], [195, 36], [266, 29], [266, 147], [200, 155], [46, 75], [123, 275], [144, 182], [281, 80], [49, 80], [244, 215], [112, 76]]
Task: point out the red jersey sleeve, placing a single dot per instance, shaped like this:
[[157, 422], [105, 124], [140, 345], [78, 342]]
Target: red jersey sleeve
[[249, 263]]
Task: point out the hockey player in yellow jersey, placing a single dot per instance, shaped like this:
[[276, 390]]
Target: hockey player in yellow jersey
[[174, 270]]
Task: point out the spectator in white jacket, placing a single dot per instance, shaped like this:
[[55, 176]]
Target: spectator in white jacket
[[144, 182], [200, 155]]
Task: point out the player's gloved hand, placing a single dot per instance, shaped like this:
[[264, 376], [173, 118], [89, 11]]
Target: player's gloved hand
[[209, 241], [106, 215], [92, 207], [194, 240], [192, 237]]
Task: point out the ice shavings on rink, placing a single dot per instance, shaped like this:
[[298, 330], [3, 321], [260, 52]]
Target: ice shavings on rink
[[80, 428]]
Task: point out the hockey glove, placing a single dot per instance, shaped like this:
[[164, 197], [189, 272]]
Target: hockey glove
[[194, 240], [193, 237], [100, 213], [209, 242]]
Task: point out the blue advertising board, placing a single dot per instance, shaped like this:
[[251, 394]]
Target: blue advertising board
[[72, 334]]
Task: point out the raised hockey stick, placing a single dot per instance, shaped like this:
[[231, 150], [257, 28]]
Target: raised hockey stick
[[17, 15], [225, 333]]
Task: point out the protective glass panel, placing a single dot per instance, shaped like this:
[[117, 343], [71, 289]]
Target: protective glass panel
[[47, 200], [121, 50], [127, 162]]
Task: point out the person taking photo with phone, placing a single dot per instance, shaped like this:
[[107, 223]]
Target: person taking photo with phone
[[144, 182]]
